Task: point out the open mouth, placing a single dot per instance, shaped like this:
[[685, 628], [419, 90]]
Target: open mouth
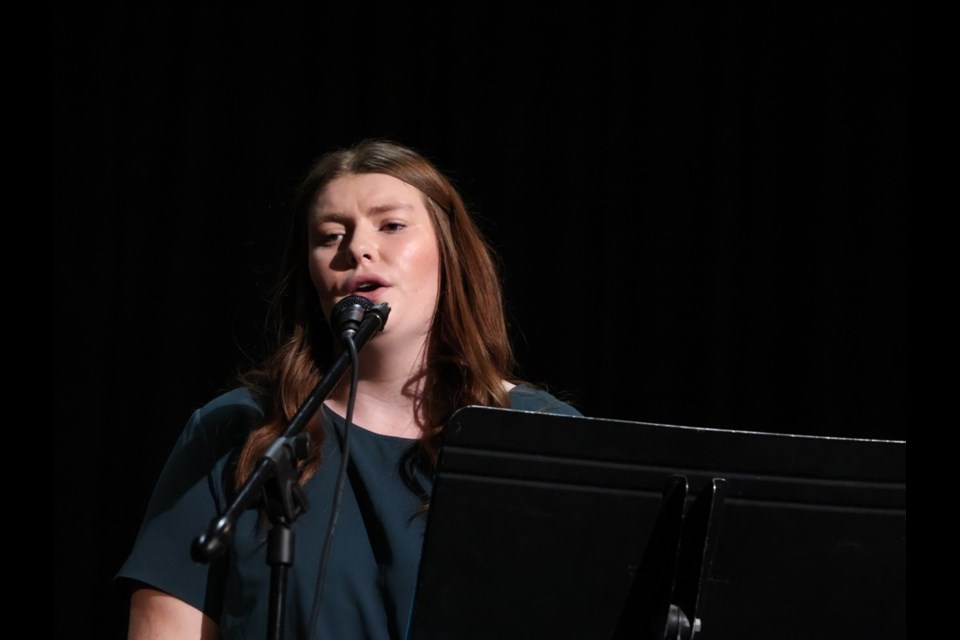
[[366, 287]]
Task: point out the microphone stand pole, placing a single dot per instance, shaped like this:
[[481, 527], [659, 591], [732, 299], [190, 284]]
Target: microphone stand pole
[[275, 481]]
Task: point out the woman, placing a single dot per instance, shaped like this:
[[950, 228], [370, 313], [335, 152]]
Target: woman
[[380, 221]]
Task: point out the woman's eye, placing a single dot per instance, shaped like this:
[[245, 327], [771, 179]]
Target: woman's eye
[[391, 227], [329, 239]]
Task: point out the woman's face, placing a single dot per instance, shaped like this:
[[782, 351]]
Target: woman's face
[[371, 235]]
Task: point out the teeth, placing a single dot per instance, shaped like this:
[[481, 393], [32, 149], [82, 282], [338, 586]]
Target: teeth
[[367, 286]]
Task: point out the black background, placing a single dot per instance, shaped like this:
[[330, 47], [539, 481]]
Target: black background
[[698, 206]]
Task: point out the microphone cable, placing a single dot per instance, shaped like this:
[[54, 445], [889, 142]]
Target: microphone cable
[[338, 489]]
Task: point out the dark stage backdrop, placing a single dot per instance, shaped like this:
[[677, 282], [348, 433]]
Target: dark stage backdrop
[[698, 206]]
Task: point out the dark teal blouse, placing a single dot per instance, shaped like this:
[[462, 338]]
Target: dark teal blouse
[[372, 569]]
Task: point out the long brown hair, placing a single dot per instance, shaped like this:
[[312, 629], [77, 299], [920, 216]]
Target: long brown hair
[[469, 354]]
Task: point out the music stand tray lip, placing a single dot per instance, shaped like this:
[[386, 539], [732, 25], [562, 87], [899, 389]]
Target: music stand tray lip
[[668, 425]]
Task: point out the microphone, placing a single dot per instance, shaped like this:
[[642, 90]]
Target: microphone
[[354, 317], [347, 314]]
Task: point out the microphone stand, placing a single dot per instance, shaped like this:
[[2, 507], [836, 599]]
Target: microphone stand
[[275, 481]]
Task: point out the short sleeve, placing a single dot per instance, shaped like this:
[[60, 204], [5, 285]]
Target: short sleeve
[[524, 397], [187, 496]]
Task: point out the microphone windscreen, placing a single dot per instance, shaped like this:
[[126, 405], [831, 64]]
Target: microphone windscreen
[[346, 315]]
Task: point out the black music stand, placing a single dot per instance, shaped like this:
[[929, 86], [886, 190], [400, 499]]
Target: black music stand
[[547, 526]]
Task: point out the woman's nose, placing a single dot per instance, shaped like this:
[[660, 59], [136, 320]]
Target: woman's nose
[[362, 246]]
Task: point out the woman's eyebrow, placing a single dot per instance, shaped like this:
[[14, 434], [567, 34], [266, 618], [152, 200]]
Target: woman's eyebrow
[[389, 206], [333, 216]]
